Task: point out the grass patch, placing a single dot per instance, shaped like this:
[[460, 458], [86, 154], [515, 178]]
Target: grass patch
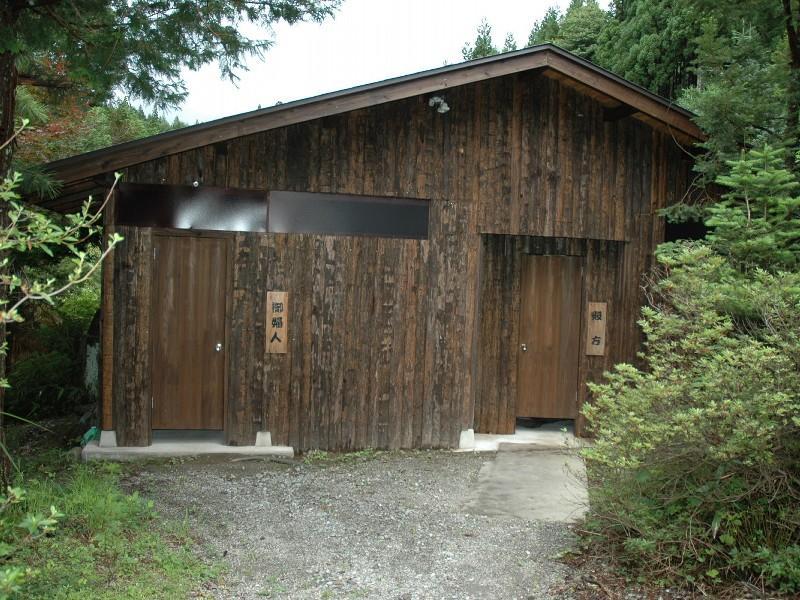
[[323, 457], [108, 544]]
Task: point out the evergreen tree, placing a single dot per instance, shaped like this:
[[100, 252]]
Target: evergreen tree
[[577, 30], [747, 66], [741, 94], [134, 46], [757, 222], [652, 43], [547, 30], [482, 46], [581, 28]]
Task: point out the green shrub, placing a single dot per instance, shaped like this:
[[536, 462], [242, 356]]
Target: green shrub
[[18, 530], [48, 381], [44, 383], [696, 461]]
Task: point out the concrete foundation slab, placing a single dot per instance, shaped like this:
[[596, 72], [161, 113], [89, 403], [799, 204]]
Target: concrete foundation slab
[[167, 444], [532, 484], [558, 434]]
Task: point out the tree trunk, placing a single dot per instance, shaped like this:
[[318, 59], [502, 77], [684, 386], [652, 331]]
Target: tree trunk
[[8, 87], [9, 13], [793, 90]]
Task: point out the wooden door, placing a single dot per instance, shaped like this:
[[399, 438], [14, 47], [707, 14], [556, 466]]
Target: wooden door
[[188, 331], [549, 335]]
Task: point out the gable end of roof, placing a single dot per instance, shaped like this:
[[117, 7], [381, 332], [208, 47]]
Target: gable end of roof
[[84, 167]]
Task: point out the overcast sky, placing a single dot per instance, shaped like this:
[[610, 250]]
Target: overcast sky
[[367, 41]]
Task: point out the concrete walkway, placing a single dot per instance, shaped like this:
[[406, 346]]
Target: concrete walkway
[[532, 483], [168, 444]]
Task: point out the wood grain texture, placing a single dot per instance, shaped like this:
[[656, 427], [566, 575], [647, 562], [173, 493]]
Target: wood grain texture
[[188, 321], [106, 411], [277, 322], [549, 323], [501, 277], [247, 377], [595, 319], [532, 154], [132, 368]]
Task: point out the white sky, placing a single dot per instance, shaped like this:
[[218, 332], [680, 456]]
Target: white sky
[[368, 40]]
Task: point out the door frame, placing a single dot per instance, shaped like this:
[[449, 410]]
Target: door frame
[[581, 324], [228, 238]]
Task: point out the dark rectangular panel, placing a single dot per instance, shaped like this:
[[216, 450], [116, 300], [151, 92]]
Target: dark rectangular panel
[[336, 214], [187, 207]]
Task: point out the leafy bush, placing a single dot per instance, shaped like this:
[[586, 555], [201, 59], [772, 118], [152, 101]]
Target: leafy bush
[[696, 462], [697, 456], [17, 530], [47, 379], [43, 383]]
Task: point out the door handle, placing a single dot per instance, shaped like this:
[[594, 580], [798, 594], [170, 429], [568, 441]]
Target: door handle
[[524, 347], [218, 347]]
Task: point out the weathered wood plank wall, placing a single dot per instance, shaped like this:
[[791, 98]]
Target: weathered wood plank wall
[[531, 154], [385, 350], [131, 337], [374, 355], [613, 272]]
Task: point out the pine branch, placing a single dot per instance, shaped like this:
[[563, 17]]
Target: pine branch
[[36, 81]]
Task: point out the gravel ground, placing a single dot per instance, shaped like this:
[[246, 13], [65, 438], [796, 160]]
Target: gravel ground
[[388, 526]]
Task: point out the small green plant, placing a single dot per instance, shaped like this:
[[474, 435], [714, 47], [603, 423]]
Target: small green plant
[[273, 588], [325, 457], [34, 526]]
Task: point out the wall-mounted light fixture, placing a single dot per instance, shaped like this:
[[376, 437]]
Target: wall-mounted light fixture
[[439, 104]]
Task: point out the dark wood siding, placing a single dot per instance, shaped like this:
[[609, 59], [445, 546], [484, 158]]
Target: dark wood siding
[[603, 281], [375, 354], [132, 368], [386, 341], [188, 321], [377, 348], [531, 154]]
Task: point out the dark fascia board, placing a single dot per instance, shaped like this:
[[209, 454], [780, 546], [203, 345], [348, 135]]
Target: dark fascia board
[[106, 160]]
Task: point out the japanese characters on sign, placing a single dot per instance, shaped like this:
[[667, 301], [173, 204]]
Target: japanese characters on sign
[[277, 322], [597, 313]]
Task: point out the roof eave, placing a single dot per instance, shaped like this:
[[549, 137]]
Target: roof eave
[[106, 160]]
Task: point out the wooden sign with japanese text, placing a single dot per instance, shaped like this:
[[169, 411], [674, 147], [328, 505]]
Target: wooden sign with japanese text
[[597, 313], [277, 322]]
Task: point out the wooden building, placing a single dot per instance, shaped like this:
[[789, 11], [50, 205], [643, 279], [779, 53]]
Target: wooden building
[[389, 266]]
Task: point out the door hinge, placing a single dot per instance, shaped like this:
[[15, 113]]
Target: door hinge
[[152, 403], [155, 250]]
